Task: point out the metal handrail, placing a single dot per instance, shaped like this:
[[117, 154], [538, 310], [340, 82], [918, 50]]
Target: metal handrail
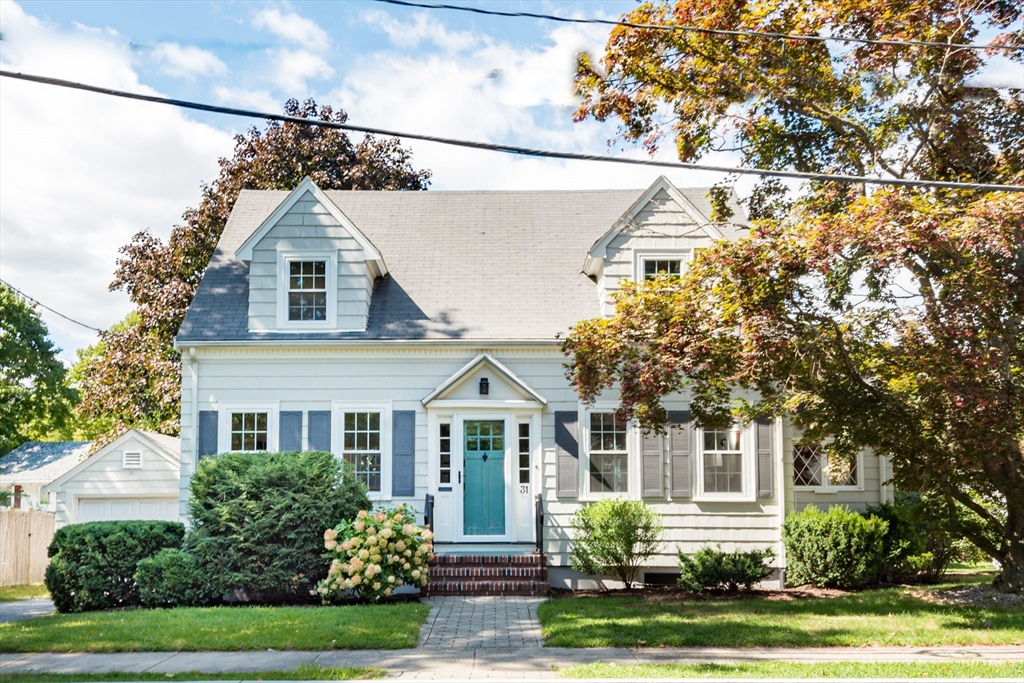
[[539, 522], [428, 512]]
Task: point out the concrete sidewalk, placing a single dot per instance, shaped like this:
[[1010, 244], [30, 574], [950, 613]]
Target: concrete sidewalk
[[477, 663]]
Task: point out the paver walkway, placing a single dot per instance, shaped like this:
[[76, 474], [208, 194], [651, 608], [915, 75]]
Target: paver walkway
[[484, 622]]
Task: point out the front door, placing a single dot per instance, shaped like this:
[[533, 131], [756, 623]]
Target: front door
[[483, 510]]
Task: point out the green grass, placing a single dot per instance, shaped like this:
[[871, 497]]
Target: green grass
[[23, 592], [801, 670], [889, 617], [354, 627], [302, 673]]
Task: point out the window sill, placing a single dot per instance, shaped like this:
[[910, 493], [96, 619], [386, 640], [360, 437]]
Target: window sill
[[828, 489]]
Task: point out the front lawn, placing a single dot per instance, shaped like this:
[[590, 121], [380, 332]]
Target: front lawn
[[303, 673], [23, 592], [806, 670], [889, 617], [355, 627]]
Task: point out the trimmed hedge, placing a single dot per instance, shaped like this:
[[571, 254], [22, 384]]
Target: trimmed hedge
[[257, 522], [714, 569], [172, 578], [92, 566], [835, 549]]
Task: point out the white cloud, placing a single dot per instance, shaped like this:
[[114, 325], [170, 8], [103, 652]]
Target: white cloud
[[81, 173], [186, 61], [294, 28], [259, 100], [292, 68], [423, 28]]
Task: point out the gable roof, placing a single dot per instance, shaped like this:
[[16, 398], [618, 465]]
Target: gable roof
[[40, 462], [490, 266], [167, 447], [484, 359]]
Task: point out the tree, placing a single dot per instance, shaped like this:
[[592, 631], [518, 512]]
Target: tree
[[33, 394], [889, 320], [136, 379]]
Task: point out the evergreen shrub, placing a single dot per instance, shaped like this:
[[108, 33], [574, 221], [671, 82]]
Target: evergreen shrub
[[172, 578], [614, 537], [835, 549], [714, 569]]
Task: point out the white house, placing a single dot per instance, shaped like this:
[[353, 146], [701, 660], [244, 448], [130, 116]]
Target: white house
[[415, 335], [133, 477]]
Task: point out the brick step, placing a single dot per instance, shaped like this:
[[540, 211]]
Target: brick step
[[482, 572], [525, 588], [532, 559]]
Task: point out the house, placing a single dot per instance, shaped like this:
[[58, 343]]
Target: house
[[415, 334], [34, 464], [133, 477]]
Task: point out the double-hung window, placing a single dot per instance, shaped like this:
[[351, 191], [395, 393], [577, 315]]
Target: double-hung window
[[722, 464], [811, 469], [307, 290], [608, 469], [249, 431], [361, 446]]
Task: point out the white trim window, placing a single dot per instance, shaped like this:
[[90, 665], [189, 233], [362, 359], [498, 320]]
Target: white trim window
[[524, 451], [249, 431], [725, 463], [649, 263], [307, 290], [811, 469], [131, 460], [608, 453], [362, 446], [653, 267], [444, 451]]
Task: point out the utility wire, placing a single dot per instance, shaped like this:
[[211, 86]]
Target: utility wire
[[511, 149], [698, 29], [42, 305]]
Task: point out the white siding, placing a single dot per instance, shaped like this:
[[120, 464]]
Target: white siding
[[307, 225]]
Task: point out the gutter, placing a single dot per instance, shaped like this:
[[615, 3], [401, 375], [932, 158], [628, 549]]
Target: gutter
[[368, 343]]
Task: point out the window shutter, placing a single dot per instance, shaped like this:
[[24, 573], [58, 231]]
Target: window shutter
[[207, 437], [652, 455], [679, 453], [290, 438], [567, 450], [765, 488], [403, 453], [320, 430]]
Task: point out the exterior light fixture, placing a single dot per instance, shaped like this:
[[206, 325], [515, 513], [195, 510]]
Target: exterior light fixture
[[485, 386]]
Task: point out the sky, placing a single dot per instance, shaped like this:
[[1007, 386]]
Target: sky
[[81, 173]]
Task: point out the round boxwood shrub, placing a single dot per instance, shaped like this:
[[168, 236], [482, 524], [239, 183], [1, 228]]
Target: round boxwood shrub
[[257, 522], [835, 549], [92, 566], [172, 578]]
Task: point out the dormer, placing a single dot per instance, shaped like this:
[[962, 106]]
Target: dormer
[[310, 268], [659, 233]]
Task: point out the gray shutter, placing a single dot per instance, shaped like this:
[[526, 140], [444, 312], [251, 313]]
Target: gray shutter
[[319, 430], [403, 453], [290, 435], [652, 457], [765, 488], [567, 454], [207, 438], [679, 453]]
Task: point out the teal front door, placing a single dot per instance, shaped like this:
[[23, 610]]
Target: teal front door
[[483, 509]]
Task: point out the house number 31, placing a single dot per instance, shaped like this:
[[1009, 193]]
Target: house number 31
[[524, 488]]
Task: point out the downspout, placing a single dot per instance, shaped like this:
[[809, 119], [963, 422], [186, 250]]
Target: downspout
[[781, 479]]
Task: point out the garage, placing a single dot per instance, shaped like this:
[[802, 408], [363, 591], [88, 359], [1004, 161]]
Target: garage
[[105, 509]]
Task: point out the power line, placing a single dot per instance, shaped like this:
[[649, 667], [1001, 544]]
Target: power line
[[697, 29], [512, 149], [42, 305]]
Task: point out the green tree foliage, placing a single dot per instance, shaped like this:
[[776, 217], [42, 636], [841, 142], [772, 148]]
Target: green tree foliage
[[888, 320], [34, 396], [136, 378], [615, 537]]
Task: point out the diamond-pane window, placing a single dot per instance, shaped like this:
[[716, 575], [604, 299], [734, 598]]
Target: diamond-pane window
[[812, 468], [307, 290]]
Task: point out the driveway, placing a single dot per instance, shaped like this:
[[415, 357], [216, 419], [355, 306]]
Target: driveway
[[25, 609]]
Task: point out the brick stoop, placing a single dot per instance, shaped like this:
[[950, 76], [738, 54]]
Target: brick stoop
[[455, 574]]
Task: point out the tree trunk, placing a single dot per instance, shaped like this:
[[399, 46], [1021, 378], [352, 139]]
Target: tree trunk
[[1011, 576]]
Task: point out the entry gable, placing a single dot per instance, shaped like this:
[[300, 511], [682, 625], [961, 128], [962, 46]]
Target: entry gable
[[661, 198], [502, 384]]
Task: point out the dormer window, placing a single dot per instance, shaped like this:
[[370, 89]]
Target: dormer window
[[662, 266], [307, 290]]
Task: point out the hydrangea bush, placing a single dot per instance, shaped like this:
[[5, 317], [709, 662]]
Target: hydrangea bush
[[376, 553]]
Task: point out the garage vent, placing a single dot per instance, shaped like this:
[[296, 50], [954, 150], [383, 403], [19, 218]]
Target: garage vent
[[131, 460]]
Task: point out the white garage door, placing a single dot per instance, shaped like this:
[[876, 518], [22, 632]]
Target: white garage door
[[105, 509]]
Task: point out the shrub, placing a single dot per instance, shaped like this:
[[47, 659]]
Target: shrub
[[257, 521], [172, 578], [713, 569], [92, 566], [837, 549], [376, 553], [615, 537]]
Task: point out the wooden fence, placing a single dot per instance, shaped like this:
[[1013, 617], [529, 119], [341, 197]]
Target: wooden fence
[[24, 537]]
